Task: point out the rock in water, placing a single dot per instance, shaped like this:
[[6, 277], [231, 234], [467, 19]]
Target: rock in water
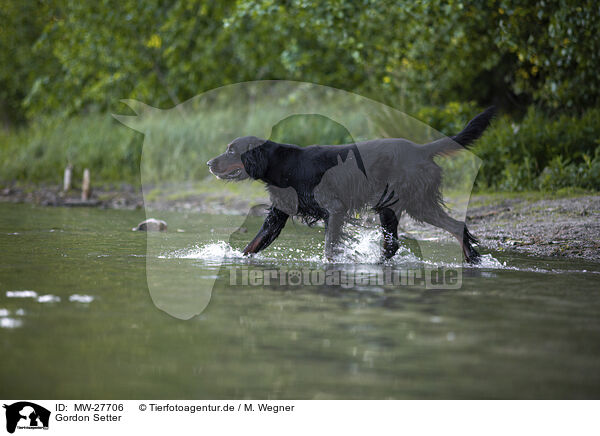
[[151, 225]]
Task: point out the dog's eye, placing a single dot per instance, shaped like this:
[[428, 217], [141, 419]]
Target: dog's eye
[[230, 151]]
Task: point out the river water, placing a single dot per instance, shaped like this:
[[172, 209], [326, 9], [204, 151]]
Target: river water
[[89, 309]]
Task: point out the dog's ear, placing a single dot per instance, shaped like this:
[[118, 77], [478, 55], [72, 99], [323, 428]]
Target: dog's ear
[[256, 161]]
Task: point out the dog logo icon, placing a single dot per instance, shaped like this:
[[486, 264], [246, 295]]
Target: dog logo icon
[[26, 415]]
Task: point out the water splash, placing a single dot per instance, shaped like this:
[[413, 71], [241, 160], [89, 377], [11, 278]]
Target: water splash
[[21, 294], [211, 251], [81, 298], [360, 247], [489, 262], [10, 323], [363, 246], [48, 299]]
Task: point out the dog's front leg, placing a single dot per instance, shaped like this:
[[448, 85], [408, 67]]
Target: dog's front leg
[[274, 223], [333, 233]]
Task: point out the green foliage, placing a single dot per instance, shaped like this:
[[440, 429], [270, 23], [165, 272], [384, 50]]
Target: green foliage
[[562, 173], [107, 50], [67, 56], [449, 119], [541, 152], [557, 50], [21, 25], [486, 50]]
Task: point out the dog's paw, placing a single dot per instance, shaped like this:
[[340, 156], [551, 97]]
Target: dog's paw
[[294, 278], [474, 258]]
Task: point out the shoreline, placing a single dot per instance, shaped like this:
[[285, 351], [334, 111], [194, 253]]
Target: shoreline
[[563, 227]]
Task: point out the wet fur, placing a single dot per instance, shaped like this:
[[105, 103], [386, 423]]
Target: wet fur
[[331, 183]]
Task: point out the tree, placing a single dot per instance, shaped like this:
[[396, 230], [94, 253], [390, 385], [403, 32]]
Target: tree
[[66, 56]]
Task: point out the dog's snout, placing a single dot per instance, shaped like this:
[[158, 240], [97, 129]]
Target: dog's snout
[[210, 163]]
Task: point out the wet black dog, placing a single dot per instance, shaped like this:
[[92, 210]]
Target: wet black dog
[[330, 183]]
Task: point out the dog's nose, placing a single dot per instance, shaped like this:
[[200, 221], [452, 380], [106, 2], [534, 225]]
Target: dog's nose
[[210, 163]]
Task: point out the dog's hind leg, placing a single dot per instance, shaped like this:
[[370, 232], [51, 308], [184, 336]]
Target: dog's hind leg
[[274, 223], [389, 225], [458, 229], [473, 255], [333, 233]]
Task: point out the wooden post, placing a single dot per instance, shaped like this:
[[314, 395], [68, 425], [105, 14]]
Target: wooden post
[[85, 186], [67, 178]]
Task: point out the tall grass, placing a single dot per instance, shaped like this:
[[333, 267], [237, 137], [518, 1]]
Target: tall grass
[[177, 148], [537, 152], [40, 152]]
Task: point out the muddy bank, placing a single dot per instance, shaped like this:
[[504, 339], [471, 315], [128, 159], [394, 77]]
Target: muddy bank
[[123, 196], [217, 199], [564, 227], [567, 227]]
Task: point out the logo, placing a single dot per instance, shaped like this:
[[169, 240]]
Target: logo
[[26, 415], [301, 113]]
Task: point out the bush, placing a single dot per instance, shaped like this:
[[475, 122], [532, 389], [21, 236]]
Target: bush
[[538, 152], [449, 119], [562, 173]]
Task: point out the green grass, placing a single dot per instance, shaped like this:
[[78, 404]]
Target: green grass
[[537, 153], [40, 152], [210, 189], [492, 198]]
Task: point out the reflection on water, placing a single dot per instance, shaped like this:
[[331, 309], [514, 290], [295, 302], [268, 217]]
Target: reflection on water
[[75, 311]]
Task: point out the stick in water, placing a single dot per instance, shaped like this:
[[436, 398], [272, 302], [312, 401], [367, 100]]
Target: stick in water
[[85, 187], [67, 178]]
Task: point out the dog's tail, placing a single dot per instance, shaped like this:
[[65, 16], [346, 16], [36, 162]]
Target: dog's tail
[[469, 134]]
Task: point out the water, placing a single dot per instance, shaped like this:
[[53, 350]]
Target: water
[[77, 319]]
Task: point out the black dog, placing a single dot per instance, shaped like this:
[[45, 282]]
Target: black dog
[[331, 182]]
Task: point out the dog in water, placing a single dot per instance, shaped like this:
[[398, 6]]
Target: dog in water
[[333, 182]]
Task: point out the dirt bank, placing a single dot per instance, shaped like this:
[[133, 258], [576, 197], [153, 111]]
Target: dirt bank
[[567, 227]]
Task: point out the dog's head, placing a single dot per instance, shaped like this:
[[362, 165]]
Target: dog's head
[[245, 157]]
